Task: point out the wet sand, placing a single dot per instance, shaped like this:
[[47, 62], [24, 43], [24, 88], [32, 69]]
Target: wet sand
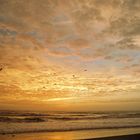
[[125, 134], [125, 137]]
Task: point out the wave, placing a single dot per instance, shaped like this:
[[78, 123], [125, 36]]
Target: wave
[[66, 129], [16, 116], [25, 122], [15, 120]]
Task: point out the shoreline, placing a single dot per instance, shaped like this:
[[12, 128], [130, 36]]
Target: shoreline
[[117, 134], [120, 137], [67, 130]]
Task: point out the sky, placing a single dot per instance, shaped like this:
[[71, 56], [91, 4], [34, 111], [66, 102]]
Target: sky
[[70, 55]]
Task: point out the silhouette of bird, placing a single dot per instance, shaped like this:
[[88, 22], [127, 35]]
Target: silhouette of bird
[[1, 69], [73, 76]]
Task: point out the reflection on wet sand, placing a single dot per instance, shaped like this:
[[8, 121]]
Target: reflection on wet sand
[[70, 134]]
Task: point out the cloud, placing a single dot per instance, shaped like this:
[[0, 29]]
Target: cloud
[[60, 51], [79, 44], [133, 69], [97, 25], [60, 99], [44, 43]]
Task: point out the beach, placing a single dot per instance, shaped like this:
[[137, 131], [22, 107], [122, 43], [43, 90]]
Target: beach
[[109, 134], [15, 125], [124, 137]]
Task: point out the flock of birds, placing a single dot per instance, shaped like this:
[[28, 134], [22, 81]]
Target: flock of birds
[[56, 84], [54, 73], [44, 87], [2, 69]]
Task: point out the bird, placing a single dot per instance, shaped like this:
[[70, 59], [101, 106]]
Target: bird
[[85, 70], [73, 76], [1, 69]]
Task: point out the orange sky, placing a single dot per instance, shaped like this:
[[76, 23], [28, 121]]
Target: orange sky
[[61, 55]]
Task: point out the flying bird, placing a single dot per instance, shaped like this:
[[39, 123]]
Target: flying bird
[[73, 76]]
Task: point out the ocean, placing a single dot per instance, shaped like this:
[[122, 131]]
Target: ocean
[[12, 122]]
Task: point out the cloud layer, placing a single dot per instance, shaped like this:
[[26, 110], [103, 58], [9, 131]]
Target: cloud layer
[[69, 49]]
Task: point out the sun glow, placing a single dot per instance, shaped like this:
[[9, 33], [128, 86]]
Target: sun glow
[[60, 99], [73, 50]]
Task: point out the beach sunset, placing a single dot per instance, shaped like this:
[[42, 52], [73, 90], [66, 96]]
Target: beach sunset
[[69, 69]]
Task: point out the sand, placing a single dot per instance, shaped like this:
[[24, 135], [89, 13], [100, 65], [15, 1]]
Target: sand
[[120, 134], [24, 137], [124, 137], [69, 135]]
